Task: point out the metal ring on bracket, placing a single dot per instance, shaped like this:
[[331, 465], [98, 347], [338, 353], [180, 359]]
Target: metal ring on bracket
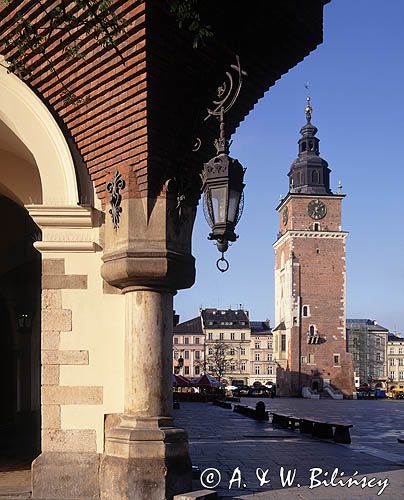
[[226, 264]]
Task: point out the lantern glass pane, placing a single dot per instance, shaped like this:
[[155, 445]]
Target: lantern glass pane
[[234, 201], [219, 204]]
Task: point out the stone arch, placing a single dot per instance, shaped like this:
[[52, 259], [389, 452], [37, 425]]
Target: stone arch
[[30, 134]]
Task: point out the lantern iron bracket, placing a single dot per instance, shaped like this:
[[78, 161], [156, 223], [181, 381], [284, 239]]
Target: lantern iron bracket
[[227, 95]]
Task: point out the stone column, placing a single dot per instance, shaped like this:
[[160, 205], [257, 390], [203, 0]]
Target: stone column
[[148, 353], [145, 455]]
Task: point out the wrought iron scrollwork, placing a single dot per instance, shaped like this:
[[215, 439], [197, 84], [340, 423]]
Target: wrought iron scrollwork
[[113, 188], [227, 94], [228, 91]]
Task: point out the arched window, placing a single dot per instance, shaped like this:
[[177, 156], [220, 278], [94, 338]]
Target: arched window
[[311, 146], [304, 146], [305, 311], [315, 177], [312, 330]]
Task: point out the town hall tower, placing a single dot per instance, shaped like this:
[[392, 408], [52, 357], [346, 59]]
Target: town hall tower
[[310, 336]]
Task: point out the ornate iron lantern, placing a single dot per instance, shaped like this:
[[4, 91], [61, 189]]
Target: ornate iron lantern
[[223, 201], [223, 176]]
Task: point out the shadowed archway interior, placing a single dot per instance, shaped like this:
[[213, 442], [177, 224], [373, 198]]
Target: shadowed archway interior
[[20, 305]]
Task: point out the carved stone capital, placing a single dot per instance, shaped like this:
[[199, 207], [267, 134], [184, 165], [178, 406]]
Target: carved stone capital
[[149, 249]]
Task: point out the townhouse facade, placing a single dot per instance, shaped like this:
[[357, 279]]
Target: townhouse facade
[[395, 362], [226, 344], [367, 343]]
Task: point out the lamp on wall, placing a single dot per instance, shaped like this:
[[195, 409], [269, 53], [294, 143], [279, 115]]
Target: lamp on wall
[[24, 321]]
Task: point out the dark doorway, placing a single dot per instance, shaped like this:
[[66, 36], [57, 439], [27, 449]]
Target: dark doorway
[[315, 385], [20, 338]]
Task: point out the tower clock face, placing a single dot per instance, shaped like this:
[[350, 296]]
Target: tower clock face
[[285, 216], [317, 209]]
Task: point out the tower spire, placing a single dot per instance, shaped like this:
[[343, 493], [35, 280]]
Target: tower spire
[[309, 173], [308, 108]]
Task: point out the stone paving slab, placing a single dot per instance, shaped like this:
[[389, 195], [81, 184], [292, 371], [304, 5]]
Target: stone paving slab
[[15, 485], [224, 441]]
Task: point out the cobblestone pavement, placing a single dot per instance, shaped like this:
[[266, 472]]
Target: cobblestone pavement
[[223, 440]]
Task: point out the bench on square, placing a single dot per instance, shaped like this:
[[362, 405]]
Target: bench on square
[[284, 420], [258, 413], [323, 429], [223, 404]]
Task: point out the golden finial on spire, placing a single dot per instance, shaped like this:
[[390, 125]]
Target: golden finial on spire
[[308, 108]]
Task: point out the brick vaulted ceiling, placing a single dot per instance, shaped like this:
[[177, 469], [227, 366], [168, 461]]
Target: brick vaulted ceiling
[[143, 115]]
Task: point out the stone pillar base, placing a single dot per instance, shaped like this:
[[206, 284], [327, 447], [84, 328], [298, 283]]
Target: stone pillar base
[[145, 458], [72, 476]]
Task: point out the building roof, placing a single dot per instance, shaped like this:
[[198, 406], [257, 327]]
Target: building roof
[[225, 318], [281, 326], [370, 325], [192, 326], [395, 337], [260, 328]]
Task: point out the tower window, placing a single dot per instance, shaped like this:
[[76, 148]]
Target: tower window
[[311, 146], [316, 226], [315, 177], [283, 342], [317, 251], [312, 330], [304, 146], [305, 311]]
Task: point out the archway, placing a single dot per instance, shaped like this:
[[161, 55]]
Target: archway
[[37, 180], [20, 337]]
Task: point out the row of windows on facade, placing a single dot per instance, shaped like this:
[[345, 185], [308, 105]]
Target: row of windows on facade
[[379, 357], [227, 323], [243, 366], [197, 354], [221, 336], [379, 342], [310, 359], [400, 375], [396, 361], [232, 352], [211, 336], [393, 351], [187, 340], [187, 370], [299, 178]]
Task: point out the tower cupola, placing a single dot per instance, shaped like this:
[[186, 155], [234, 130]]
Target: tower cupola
[[309, 173]]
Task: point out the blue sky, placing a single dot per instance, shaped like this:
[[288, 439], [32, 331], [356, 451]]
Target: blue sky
[[357, 89]]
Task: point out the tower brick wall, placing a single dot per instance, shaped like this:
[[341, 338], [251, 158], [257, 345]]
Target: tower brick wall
[[310, 280]]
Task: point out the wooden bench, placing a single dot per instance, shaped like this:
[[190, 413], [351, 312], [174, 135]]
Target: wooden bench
[[223, 404], [284, 420], [251, 412], [314, 426], [323, 429]]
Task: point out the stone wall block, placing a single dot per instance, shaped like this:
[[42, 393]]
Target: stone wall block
[[57, 320], [65, 357], [50, 340], [51, 299], [53, 266], [74, 440], [50, 374], [72, 395], [64, 281], [51, 417]]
